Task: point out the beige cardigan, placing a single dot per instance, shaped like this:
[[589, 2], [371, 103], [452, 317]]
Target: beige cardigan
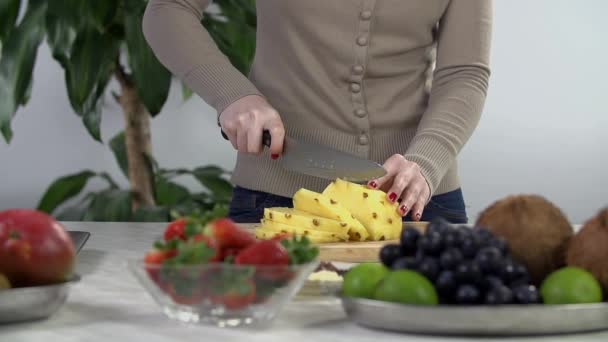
[[349, 74]]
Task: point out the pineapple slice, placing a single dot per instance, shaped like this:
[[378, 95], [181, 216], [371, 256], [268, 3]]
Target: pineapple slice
[[302, 219], [324, 206], [370, 207], [269, 229]]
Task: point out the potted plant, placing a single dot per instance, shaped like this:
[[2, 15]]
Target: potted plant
[[94, 42]]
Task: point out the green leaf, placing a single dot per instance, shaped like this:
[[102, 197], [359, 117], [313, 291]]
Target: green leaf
[[89, 69], [151, 214], [9, 10], [152, 79], [211, 178], [63, 189], [60, 34], [111, 205], [102, 13], [17, 62], [169, 193], [186, 92], [72, 213], [119, 147]]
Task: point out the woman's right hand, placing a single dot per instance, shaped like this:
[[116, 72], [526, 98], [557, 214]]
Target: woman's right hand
[[244, 120]]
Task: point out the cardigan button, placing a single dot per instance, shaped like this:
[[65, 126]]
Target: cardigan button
[[360, 112], [362, 40], [355, 87], [363, 139], [366, 15], [358, 69]]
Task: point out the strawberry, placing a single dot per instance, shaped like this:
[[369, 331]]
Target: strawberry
[[265, 252], [228, 234], [176, 230]]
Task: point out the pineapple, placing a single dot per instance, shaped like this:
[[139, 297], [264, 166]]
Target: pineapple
[[270, 229], [294, 217], [370, 207], [325, 206]]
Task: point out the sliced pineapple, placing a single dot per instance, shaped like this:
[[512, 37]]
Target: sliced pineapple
[[270, 229], [294, 217], [328, 207], [369, 206]]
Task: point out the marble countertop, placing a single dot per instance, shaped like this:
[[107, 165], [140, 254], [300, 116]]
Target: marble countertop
[[108, 304]]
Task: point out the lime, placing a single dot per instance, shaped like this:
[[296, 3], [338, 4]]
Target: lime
[[361, 280], [408, 287], [571, 285]]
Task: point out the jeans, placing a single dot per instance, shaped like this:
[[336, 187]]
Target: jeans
[[248, 206]]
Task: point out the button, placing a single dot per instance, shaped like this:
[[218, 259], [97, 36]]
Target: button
[[366, 15], [363, 139], [358, 69], [355, 87], [360, 112], [362, 40]]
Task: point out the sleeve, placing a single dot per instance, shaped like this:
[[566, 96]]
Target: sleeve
[[175, 34], [459, 88]]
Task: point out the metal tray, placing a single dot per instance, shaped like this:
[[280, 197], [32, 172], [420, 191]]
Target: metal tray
[[33, 303], [508, 320]]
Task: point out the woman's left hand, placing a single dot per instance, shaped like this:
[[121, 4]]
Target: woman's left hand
[[404, 181]]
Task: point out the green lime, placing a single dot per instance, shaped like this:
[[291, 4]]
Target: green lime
[[361, 280], [571, 285], [408, 287]]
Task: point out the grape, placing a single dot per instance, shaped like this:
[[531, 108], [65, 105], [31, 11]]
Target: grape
[[467, 294], [469, 272], [484, 235], [469, 247], [526, 294], [409, 240], [405, 263], [489, 259], [450, 239], [450, 258], [438, 225], [431, 244], [499, 295], [492, 282], [390, 253], [429, 267], [501, 244]]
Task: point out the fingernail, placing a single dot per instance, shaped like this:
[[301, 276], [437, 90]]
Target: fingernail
[[417, 216], [274, 156], [372, 184], [392, 197], [403, 209]]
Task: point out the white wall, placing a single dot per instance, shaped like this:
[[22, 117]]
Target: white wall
[[543, 129]]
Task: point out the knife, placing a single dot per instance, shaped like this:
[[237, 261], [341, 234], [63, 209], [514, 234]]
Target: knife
[[323, 162]]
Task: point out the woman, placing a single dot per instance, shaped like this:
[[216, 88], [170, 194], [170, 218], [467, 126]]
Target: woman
[[351, 75]]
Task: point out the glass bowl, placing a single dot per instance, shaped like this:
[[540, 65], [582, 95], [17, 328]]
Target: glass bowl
[[222, 294]]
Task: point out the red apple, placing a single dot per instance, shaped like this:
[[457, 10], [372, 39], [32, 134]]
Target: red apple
[[35, 249]]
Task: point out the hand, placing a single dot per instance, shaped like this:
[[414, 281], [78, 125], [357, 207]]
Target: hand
[[406, 183], [244, 120]]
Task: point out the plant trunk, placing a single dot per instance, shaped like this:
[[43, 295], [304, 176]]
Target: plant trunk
[[138, 142]]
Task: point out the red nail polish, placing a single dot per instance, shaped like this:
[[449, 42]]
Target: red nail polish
[[392, 197], [373, 184], [274, 156], [403, 209]]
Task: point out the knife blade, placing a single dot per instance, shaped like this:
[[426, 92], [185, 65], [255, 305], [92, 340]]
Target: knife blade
[[324, 162]]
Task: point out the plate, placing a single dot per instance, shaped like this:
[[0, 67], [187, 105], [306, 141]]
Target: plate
[[79, 238], [507, 320], [33, 303]]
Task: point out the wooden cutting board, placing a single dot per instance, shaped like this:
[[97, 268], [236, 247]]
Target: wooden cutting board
[[353, 252]]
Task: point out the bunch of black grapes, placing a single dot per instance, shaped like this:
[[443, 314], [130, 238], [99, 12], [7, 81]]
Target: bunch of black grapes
[[468, 266]]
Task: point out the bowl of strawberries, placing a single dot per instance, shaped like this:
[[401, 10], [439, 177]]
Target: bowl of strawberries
[[212, 271]]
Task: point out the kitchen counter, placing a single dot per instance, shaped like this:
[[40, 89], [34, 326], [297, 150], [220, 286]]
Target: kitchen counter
[[108, 304]]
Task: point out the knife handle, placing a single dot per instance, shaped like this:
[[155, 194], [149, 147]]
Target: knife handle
[[266, 138]]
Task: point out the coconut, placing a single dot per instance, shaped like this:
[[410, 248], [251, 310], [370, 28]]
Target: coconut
[[536, 231], [588, 249]]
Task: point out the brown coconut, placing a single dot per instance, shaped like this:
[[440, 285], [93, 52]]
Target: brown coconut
[[536, 231], [588, 248]]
